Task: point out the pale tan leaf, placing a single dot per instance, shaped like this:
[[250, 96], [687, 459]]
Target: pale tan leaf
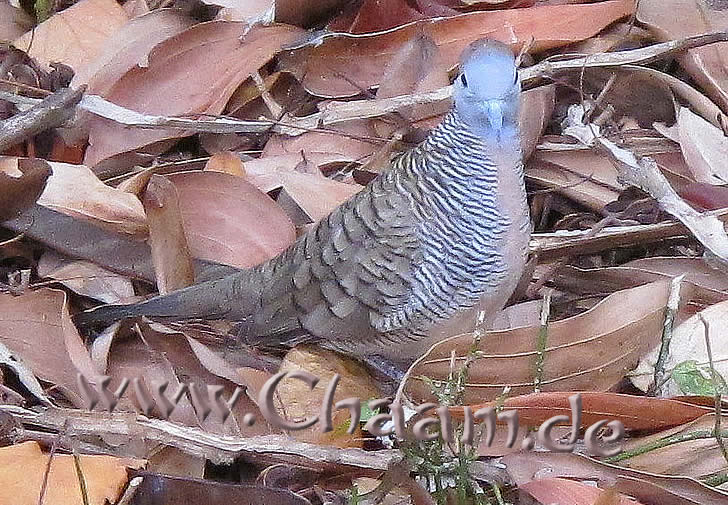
[[74, 36]]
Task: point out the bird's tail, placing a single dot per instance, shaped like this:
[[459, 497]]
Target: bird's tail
[[208, 300]]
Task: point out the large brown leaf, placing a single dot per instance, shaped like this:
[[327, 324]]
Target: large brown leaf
[[341, 65], [37, 328], [228, 220], [193, 72], [74, 36], [588, 352], [635, 412]]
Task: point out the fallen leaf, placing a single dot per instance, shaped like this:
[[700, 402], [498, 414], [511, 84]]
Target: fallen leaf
[[704, 147], [635, 412], [297, 401], [14, 22], [252, 12], [85, 278], [590, 351], [688, 343], [227, 220], [75, 190], [227, 163], [21, 184], [37, 328], [569, 492], [67, 36], [158, 489], [25, 469], [328, 64], [706, 65], [181, 78], [696, 458], [649, 488], [170, 252]]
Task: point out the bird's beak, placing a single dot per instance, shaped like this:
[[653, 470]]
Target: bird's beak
[[494, 113]]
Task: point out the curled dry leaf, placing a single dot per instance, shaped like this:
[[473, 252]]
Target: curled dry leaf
[[297, 401], [329, 63], [688, 343], [24, 471], [66, 38], [228, 220], [569, 492], [170, 252], [21, 184], [704, 147], [193, 72], [37, 328], [75, 190], [590, 351], [690, 458], [635, 412]]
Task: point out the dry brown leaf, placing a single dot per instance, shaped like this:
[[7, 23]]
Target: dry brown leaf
[[24, 468], [591, 351], [75, 190], [21, 184], [170, 253], [328, 67], [127, 47], [85, 278], [569, 492], [297, 401], [227, 220], [37, 328], [14, 22], [537, 105], [706, 65], [74, 36], [416, 67], [524, 467], [707, 286], [227, 163], [315, 194], [182, 77], [166, 356], [586, 177], [635, 412], [690, 458]]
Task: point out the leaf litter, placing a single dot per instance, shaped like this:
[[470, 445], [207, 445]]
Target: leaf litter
[[317, 99]]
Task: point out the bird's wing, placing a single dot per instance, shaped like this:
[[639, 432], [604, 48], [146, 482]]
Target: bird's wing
[[353, 268]]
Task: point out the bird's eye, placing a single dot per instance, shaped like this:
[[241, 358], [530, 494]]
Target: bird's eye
[[463, 80]]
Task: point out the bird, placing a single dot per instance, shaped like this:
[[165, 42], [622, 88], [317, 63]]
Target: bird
[[440, 235]]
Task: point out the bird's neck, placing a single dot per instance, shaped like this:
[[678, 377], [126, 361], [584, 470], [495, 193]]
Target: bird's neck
[[473, 152]]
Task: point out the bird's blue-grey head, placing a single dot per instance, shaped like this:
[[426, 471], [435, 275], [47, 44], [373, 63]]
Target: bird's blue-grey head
[[487, 88]]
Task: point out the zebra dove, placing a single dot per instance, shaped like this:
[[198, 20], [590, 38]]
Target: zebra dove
[[438, 236]]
